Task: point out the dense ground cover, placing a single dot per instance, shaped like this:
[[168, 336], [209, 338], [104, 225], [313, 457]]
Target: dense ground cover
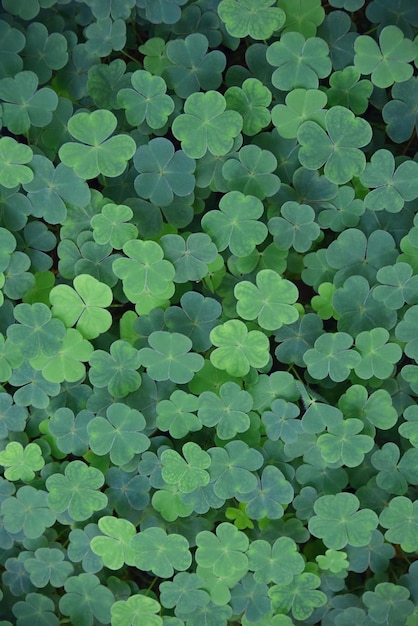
[[209, 312]]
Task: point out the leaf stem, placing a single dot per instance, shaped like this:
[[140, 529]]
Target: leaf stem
[[151, 585]]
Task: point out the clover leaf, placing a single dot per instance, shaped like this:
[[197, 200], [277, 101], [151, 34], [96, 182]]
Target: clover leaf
[[119, 434], [13, 42], [388, 61], [235, 225], [398, 285], [301, 596], [252, 173], [83, 306], [20, 462], [391, 189], [113, 225], [13, 156], [394, 473], [300, 62], [185, 593], [76, 491], [357, 309], [302, 16], [278, 563], [25, 106], [270, 497], [378, 356], [105, 81], [177, 415], [250, 101], [188, 473], [168, 357], [114, 545], [146, 101], [238, 349], [34, 604], [250, 598], [195, 318], [36, 332], [69, 432], [146, 276], [231, 469], [296, 228], [352, 253], [343, 444], [337, 147], [133, 611], [192, 257], [389, 602], [48, 566], [206, 125], [400, 517], [224, 551], [405, 331], [67, 364], [27, 511], [338, 522], [52, 187], [161, 553], [228, 411], [377, 408], [300, 105], [12, 417], [192, 68], [104, 35], [331, 356], [161, 11], [33, 389], [348, 90], [79, 550], [93, 153], [116, 369], [271, 301], [399, 113], [86, 600], [249, 17], [333, 561], [44, 52], [280, 422], [163, 172]]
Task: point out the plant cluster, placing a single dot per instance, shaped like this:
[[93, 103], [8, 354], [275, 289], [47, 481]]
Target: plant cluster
[[208, 312]]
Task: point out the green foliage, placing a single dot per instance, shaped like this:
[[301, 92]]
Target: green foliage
[[163, 173], [300, 62], [338, 522], [208, 312], [119, 434], [96, 154], [168, 357], [271, 302], [75, 491], [338, 147], [235, 225], [146, 101], [388, 61], [206, 125], [237, 349], [248, 17]]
